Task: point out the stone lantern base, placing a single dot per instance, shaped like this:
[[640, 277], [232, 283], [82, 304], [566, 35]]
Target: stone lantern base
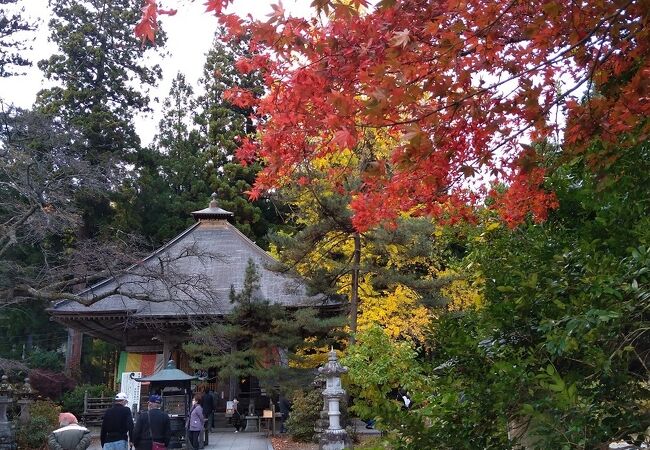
[[334, 440], [7, 437]]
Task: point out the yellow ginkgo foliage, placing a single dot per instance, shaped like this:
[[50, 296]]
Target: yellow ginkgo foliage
[[462, 293], [397, 310]]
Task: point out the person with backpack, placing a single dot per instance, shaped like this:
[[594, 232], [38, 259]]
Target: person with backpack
[[152, 428]]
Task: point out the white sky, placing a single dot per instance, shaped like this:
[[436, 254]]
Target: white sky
[[189, 36]]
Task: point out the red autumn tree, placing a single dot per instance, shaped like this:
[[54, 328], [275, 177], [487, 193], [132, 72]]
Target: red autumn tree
[[459, 83]]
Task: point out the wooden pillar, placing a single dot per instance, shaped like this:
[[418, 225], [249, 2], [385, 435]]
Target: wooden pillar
[[73, 352], [167, 350]]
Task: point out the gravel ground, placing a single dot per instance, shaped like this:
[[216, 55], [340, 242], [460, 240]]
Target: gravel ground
[[285, 443]]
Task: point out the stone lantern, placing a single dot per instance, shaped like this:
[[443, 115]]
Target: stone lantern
[[25, 399], [334, 437], [7, 437]]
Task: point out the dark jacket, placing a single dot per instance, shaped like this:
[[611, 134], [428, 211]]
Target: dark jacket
[[159, 428], [208, 404], [70, 437], [117, 424], [285, 406]]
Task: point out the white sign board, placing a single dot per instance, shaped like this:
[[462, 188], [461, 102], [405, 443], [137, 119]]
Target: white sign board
[[131, 388]]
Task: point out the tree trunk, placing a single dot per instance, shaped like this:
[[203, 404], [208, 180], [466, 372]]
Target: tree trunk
[[354, 296]]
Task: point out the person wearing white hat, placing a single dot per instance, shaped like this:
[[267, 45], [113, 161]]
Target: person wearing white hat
[[117, 425]]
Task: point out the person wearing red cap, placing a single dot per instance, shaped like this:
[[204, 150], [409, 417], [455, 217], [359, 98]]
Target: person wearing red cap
[[70, 435], [152, 428]]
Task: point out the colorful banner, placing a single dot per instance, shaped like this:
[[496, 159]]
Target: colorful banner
[[146, 363]]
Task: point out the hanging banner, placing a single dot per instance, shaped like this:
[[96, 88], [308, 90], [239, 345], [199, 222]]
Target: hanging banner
[[146, 363], [131, 388]]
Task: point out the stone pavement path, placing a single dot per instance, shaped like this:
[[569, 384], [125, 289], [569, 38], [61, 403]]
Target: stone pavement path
[[239, 441], [227, 441]]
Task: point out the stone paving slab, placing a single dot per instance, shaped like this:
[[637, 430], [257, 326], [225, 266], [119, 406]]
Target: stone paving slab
[[226, 441], [239, 441]]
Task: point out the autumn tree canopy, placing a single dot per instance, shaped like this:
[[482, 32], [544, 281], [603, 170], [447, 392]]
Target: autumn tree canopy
[[460, 83]]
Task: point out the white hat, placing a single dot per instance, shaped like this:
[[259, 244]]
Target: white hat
[[121, 397]]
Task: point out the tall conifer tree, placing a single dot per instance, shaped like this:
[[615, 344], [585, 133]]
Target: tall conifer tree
[[193, 156], [12, 23], [97, 70], [97, 67]]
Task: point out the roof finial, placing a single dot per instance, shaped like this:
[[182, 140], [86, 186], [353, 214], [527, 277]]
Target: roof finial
[[212, 212]]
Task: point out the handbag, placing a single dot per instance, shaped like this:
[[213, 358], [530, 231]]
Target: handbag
[[155, 445]]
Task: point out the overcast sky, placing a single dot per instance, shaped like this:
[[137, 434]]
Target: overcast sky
[[189, 35]]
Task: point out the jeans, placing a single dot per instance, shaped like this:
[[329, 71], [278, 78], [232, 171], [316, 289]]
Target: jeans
[[116, 445]]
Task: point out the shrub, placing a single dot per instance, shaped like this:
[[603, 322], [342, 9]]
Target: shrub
[[46, 359], [33, 435], [46, 409], [73, 401], [50, 384], [44, 419], [305, 411]]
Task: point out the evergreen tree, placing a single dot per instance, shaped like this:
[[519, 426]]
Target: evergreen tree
[[170, 179], [97, 70], [223, 124], [11, 22], [391, 276], [258, 338], [193, 156]]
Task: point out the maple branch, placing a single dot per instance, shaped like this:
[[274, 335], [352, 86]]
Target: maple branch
[[565, 54]]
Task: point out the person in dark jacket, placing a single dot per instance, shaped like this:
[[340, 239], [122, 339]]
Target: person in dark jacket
[[208, 409], [152, 426], [117, 425], [285, 409], [71, 436]]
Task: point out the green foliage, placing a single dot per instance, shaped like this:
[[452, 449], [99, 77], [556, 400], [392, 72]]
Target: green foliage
[[556, 356], [12, 24], [193, 156], [33, 435], [25, 327], [47, 410], [44, 359], [259, 338], [44, 419], [561, 343], [305, 411], [73, 401], [99, 65], [377, 367]]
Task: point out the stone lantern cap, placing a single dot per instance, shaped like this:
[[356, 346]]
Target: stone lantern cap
[[5, 388], [26, 391], [333, 366]]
